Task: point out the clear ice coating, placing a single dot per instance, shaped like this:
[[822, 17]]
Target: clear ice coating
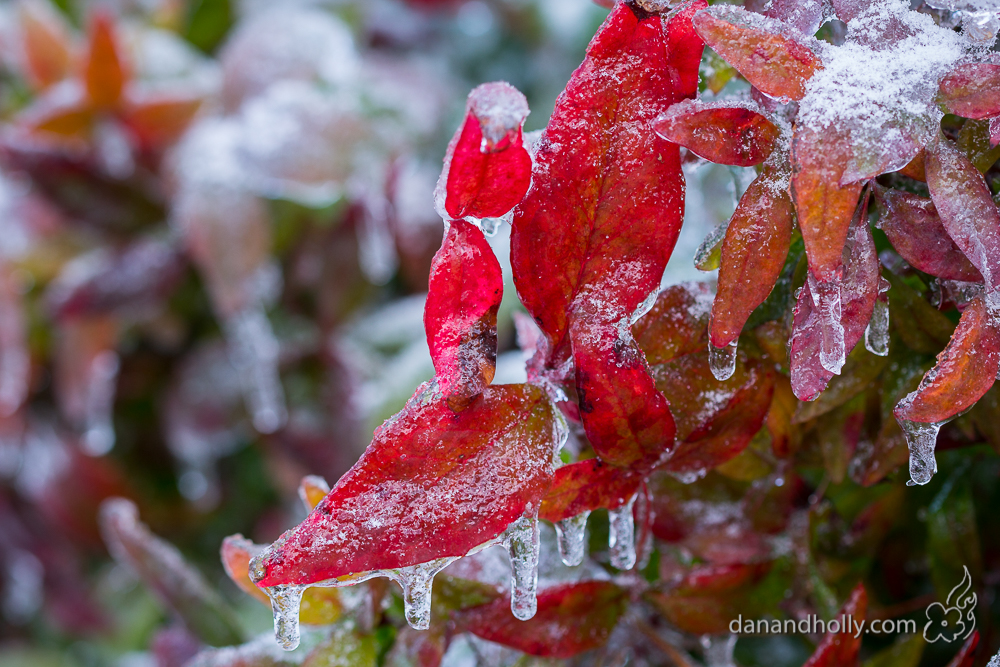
[[826, 297], [621, 536], [722, 361], [285, 602], [877, 332], [254, 353], [571, 534], [522, 543], [416, 582], [921, 439]]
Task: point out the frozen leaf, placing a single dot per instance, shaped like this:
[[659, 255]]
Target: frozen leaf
[[733, 135], [587, 485], [609, 219], [966, 208], [159, 119], [806, 15], [460, 314], [824, 206], [753, 255], [775, 64], [709, 597], [972, 90], [861, 369], [487, 169], [841, 649], [965, 370], [571, 619], [922, 327], [45, 41], [677, 324], [161, 566], [916, 232], [104, 70], [455, 480]]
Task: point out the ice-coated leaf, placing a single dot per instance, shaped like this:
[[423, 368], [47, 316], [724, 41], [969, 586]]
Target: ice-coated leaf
[[731, 135], [487, 169], [967, 653], [709, 597], [587, 485], [858, 290], [460, 315], [162, 567], [715, 420], [571, 619], [824, 206], [753, 254], [916, 232], [104, 70], [776, 64], [606, 201], [134, 280], [972, 90], [677, 324], [806, 15], [45, 43], [432, 484], [966, 208], [159, 119], [965, 369], [841, 649], [312, 489]]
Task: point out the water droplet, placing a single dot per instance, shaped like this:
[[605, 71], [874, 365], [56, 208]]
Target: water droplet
[[416, 582], [571, 534], [921, 438], [722, 361], [621, 538], [522, 543], [285, 607]]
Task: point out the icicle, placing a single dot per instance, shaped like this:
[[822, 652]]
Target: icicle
[[285, 607], [521, 542], [621, 538], [706, 257], [722, 361], [571, 534], [254, 353], [921, 438], [688, 476], [877, 332], [417, 581], [826, 297]]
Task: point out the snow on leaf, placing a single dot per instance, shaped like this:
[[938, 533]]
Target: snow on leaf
[[965, 369], [487, 169], [776, 64], [972, 90], [916, 232], [104, 68], [460, 314], [571, 619], [432, 484], [841, 648], [587, 485], [806, 15], [162, 567], [966, 208], [753, 254], [731, 135], [606, 201]]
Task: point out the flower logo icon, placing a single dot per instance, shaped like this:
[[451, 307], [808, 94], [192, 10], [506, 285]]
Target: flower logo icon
[[954, 620]]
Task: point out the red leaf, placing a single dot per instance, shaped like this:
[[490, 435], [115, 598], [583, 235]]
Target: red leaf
[[967, 211], [454, 480], [965, 369], [824, 206], [972, 90], [716, 420], [721, 134], [841, 649], [677, 324], [587, 485], [104, 69], [158, 120], [571, 619], [806, 15], [912, 224], [45, 41], [460, 315], [967, 654], [710, 596], [607, 197], [753, 254], [858, 289], [487, 169], [775, 64]]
